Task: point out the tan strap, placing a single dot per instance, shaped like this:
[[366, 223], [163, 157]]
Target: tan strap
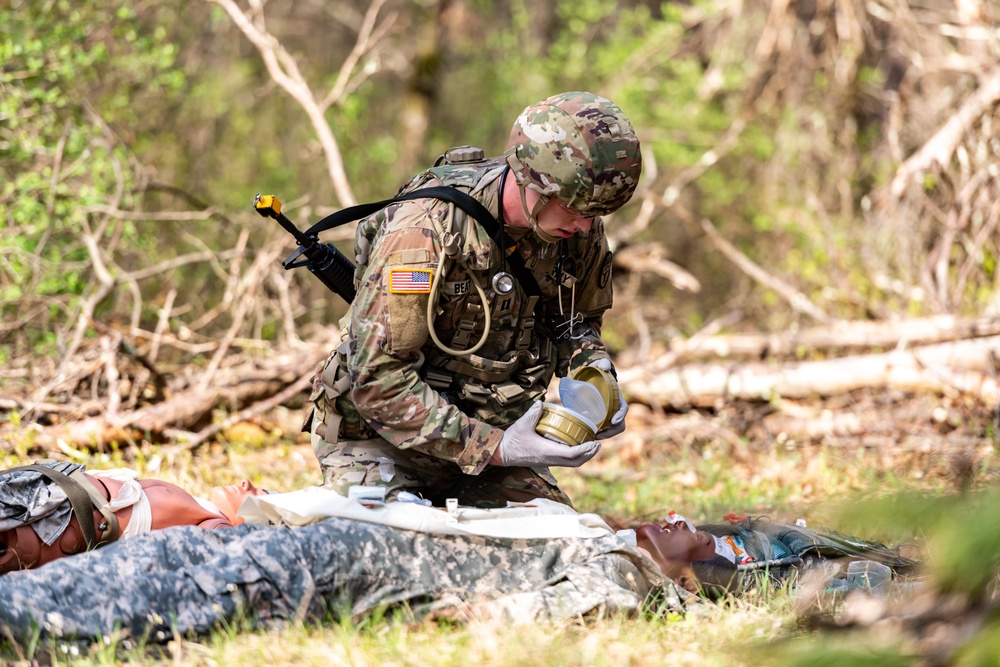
[[103, 506]]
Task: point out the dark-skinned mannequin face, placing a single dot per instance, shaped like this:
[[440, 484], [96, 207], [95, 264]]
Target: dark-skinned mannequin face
[[673, 547]]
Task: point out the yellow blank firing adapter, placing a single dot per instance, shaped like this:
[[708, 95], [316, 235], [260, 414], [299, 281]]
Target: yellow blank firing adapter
[[267, 205]]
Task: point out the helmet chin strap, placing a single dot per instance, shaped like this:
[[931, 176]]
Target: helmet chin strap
[[532, 216]]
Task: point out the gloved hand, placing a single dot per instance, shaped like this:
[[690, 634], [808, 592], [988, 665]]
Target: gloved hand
[[617, 424], [603, 363], [523, 446]]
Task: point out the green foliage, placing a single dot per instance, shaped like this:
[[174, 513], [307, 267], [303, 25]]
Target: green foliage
[[189, 97], [963, 532], [834, 652], [64, 62], [966, 552]]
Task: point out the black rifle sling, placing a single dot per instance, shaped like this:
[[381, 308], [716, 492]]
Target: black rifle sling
[[460, 199]]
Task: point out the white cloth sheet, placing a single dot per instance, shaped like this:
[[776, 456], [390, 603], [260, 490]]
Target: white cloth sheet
[[540, 518]]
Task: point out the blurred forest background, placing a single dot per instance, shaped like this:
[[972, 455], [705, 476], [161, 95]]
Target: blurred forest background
[[847, 149], [820, 184], [811, 256]]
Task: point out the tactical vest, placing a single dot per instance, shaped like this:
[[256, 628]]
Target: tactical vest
[[518, 360]]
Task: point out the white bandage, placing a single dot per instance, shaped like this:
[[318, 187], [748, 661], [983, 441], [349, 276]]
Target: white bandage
[[130, 495], [722, 548]]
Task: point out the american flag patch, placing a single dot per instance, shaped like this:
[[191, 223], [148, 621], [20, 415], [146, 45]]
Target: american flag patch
[[410, 281]]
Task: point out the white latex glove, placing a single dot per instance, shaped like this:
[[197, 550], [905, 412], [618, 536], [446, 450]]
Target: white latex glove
[[603, 364], [523, 446], [617, 424]]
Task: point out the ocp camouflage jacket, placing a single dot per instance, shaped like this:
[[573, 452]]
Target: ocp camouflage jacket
[[389, 379]]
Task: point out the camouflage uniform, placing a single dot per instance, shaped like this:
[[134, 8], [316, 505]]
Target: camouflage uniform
[[391, 408], [187, 579]]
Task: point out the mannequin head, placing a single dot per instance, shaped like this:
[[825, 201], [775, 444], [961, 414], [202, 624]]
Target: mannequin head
[[675, 548], [689, 557], [675, 542], [229, 498]]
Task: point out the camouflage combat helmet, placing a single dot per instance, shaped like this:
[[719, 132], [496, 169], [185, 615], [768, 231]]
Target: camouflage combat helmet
[[578, 147]]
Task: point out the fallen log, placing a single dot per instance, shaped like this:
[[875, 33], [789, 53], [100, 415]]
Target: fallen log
[[966, 367], [840, 335]]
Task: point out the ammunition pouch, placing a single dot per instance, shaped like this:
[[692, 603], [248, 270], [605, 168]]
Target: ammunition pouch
[[485, 387], [479, 368], [330, 383]]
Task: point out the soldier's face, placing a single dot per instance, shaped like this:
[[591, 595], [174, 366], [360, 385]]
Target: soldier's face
[[554, 217], [559, 220]]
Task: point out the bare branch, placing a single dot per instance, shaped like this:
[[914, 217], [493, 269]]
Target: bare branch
[[248, 287], [108, 349], [650, 258], [184, 260], [369, 34], [938, 150], [162, 324], [158, 216], [285, 72], [795, 299], [232, 281]]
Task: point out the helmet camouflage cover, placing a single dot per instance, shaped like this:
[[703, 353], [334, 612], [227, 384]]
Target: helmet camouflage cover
[[578, 147]]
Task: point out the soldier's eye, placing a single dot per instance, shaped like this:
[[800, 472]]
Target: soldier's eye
[[3, 549]]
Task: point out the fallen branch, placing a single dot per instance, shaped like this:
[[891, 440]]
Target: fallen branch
[[189, 409], [965, 368], [839, 335], [195, 440]]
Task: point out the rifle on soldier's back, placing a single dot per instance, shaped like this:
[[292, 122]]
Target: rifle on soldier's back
[[324, 259]]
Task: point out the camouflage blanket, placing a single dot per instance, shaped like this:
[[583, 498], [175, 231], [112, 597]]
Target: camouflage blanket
[[187, 579]]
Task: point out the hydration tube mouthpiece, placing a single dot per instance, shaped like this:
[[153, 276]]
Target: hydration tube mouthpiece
[[674, 517]]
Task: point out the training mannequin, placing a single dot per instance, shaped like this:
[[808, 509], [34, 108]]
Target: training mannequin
[[229, 498], [712, 559], [137, 505]]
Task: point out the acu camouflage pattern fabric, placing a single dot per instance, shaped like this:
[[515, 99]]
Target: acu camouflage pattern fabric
[[388, 383], [579, 147], [187, 579]]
